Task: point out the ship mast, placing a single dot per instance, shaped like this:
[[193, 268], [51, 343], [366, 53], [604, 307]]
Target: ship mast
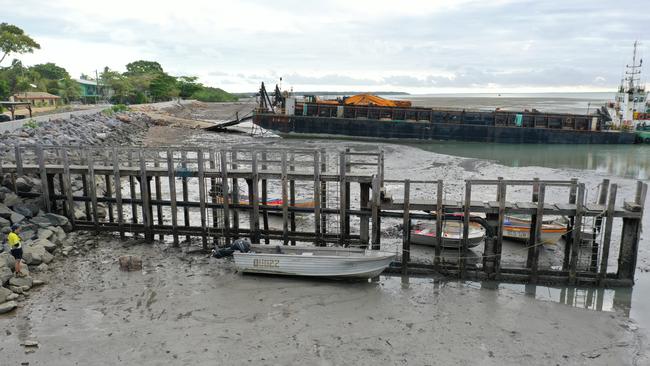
[[633, 71]]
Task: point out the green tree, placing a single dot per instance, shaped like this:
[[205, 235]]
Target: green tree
[[5, 91], [69, 90], [163, 87], [143, 67], [187, 86], [213, 95], [14, 40], [120, 84], [51, 71]]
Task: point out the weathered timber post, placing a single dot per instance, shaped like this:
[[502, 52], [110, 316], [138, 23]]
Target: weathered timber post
[[439, 221], [265, 202], [225, 196], [343, 225], [158, 188], [577, 233], [93, 191], [67, 187], [323, 192], [253, 200], [533, 224], [376, 218], [607, 234], [364, 220], [465, 240], [317, 201], [213, 195], [171, 175], [185, 193], [292, 197], [118, 192], [630, 236], [44, 180], [145, 193], [536, 239], [109, 189], [200, 161], [406, 226], [235, 197], [285, 199], [134, 207], [569, 238]]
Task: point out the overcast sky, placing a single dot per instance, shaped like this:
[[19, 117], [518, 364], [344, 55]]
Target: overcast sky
[[417, 46]]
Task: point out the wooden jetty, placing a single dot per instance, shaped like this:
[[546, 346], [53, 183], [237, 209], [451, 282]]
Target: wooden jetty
[[197, 193]]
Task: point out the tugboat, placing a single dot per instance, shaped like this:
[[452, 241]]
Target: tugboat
[[631, 109]]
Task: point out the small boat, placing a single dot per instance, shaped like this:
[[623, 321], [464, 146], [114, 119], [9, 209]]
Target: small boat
[[518, 228], [424, 233], [313, 261]]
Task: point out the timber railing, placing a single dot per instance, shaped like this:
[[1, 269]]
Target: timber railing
[[287, 196]]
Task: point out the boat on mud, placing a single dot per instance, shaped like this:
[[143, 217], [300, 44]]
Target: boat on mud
[[518, 228], [328, 262], [424, 233]]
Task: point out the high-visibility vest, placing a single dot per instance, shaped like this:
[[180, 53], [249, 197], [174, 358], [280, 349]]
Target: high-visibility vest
[[13, 240]]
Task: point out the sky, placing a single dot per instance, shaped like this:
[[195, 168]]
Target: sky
[[415, 46]]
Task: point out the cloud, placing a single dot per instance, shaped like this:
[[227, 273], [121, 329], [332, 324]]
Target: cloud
[[422, 45]]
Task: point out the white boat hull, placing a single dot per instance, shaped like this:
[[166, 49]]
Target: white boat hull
[[452, 231], [313, 262]]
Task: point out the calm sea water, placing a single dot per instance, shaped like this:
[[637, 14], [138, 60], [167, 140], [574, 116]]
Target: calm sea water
[[628, 161]]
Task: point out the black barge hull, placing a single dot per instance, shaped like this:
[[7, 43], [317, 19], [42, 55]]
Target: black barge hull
[[425, 130]]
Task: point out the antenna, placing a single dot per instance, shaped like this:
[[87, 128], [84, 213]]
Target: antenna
[[633, 71]]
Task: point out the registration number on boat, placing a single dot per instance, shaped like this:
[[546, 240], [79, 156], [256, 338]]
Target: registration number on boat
[[266, 262]]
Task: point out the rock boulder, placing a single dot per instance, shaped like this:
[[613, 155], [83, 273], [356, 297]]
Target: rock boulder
[[7, 306]]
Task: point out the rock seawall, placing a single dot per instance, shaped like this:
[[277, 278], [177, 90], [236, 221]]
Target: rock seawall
[[46, 236]]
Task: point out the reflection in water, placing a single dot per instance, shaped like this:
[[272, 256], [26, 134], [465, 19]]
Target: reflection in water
[[628, 161], [590, 298]]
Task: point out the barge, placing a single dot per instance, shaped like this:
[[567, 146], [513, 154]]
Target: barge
[[373, 117]]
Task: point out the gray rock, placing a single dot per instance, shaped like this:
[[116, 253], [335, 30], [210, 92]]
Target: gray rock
[[60, 236], [23, 184], [5, 212], [26, 209], [48, 245], [41, 221], [16, 218], [57, 220], [36, 254], [4, 222], [11, 199], [7, 260], [44, 234], [130, 263], [38, 283], [41, 268], [16, 289], [7, 306], [21, 281], [12, 297], [4, 294], [5, 275]]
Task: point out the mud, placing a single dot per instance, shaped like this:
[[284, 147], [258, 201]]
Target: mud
[[193, 310], [185, 309]]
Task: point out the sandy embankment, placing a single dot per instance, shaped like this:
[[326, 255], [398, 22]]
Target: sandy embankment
[[184, 309]]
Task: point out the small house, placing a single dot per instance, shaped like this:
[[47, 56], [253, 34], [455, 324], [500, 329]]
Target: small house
[[37, 99]]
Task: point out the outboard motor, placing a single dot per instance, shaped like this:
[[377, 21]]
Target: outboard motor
[[241, 245]]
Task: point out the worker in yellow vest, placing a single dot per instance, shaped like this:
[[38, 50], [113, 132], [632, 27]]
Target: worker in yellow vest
[[15, 244]]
